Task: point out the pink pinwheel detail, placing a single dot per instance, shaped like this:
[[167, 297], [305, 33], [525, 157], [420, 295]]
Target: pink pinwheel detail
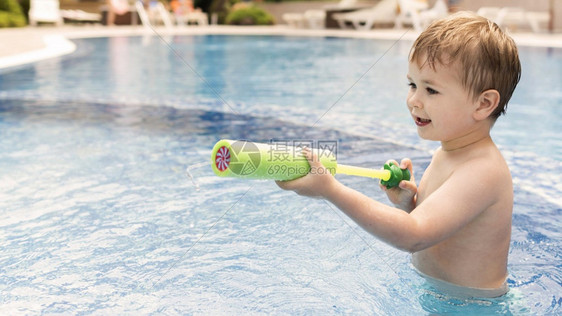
[[222, 158]]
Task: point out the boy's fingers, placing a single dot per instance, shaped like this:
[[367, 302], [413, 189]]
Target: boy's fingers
[[406, 163], [407, 185], [383, 187], [312, 157], [285, 185], [288, 185], [308, 153], [281, 184]]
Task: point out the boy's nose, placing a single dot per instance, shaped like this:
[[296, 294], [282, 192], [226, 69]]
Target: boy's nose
[[414, 102]]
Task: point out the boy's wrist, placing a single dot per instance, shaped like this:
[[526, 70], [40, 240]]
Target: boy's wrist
[[333, 187]]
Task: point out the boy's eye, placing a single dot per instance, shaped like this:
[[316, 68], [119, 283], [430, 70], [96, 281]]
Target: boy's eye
[[411, 85], [431, 91]]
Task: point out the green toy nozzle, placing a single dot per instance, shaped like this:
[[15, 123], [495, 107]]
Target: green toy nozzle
[[396, 175]]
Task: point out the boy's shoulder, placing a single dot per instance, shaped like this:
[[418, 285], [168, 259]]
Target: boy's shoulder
[[476, 177], [487, 157], [483, 163]]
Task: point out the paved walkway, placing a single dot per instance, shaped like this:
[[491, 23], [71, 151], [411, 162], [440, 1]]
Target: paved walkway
[[28, 44]]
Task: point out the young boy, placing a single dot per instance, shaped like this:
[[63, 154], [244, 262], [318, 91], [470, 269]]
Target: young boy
[[457, 223]]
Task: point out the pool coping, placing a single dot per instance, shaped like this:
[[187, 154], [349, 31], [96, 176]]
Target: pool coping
[[31, 44]]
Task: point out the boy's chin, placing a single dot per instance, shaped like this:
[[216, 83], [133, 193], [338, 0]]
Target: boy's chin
[[425, 136]]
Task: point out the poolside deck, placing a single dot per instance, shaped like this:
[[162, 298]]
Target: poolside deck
[[29, 44]]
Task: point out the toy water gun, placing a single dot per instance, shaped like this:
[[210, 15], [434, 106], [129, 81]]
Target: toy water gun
[[277, 161]]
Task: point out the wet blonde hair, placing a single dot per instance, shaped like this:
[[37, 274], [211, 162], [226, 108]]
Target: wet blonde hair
[[488, 57]]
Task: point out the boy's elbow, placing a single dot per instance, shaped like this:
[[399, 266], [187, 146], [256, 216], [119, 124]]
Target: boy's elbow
[[415, 240], [412, 246]]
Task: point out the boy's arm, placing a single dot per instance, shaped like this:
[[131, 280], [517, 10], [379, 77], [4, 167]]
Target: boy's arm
[[459, 200]]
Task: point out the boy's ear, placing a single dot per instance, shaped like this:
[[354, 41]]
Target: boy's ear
[[487, 102]]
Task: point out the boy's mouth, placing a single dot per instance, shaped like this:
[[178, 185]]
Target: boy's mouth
[[421, 121]]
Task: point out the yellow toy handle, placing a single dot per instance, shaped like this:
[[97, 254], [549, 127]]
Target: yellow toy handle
[[363, 172], [390, 176]]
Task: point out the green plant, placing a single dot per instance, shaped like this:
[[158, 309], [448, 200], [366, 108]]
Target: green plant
[[24, 4], [11, 14], [250, 15]]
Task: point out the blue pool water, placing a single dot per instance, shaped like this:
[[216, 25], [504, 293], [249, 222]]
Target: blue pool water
[[98, 214]]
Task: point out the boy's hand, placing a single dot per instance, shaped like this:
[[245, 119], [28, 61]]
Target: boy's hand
[[403, 196], [317, 183]]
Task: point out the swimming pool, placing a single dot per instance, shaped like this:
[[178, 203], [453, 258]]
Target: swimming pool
[[98, 214]]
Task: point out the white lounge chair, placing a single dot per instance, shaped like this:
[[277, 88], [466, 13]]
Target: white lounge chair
[[364, 19], [511, 16], [489, 13], [346, 3], [515, 16], [314, 19], [153, 15], [410, 13], [45, 11], [80, 16], [295, 20], [418, 15], [195, 17], [535, 20], [342, 4], [438, 11]]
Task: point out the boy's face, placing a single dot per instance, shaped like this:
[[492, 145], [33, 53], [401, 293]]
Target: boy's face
[[440, 106]]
